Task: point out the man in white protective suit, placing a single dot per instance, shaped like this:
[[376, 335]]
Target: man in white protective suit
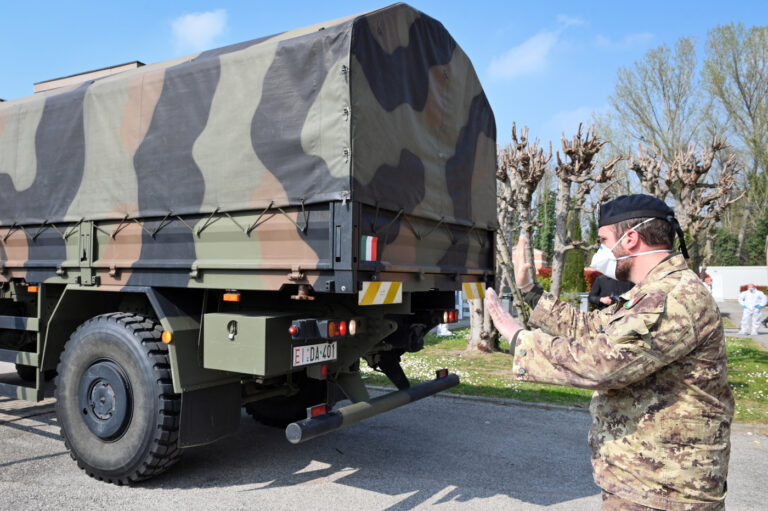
[[752, 301]]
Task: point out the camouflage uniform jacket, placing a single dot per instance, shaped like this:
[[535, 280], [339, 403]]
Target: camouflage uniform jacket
[[662, 408]]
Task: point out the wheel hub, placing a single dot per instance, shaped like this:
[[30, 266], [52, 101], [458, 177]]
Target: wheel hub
[[105, 399], [102, 400]]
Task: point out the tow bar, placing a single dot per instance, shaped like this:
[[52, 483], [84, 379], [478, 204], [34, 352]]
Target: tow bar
[[307, 429]]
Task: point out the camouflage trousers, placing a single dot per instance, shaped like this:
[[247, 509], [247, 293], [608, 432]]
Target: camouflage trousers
[[613, 502]]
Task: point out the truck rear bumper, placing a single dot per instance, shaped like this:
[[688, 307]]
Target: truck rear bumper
[[307, 429]]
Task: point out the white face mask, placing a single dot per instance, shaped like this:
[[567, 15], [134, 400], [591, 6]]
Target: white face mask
[[605, 262]]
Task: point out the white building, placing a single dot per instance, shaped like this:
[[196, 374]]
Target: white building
[[727, 280]]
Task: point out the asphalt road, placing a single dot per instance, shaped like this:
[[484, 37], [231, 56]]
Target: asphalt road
[[438, 453]]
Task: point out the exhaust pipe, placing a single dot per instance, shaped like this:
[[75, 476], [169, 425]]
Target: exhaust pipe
[[307, 429]]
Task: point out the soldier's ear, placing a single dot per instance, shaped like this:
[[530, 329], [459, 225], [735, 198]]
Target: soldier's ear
[[631, 240]]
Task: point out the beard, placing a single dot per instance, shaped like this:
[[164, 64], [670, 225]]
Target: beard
[[623, 267]]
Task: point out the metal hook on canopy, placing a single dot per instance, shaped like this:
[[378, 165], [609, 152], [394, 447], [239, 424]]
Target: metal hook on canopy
[[423, 236], [72, 230], [207, 222], [163, 223], [376, 230], [304, 213], [256, 222]]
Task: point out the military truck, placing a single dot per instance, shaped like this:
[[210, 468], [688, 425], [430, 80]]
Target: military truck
[[239, 228]]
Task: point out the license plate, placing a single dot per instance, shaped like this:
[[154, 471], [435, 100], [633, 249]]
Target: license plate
[[314, 353]]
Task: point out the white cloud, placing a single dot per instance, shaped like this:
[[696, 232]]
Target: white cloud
[[626, 42], [568, 21], [532, 55], [526, 58], [197, 31]]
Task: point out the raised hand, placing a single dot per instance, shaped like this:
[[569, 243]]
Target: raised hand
[[505, 323], [522, 268]]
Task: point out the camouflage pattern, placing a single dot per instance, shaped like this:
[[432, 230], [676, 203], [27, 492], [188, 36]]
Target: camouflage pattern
[[662, 409], [195, 171]]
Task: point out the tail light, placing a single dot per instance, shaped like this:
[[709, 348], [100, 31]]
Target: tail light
[[316, 411], [323, 328]]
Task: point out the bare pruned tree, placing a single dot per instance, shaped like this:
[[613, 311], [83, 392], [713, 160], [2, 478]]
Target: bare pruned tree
[[700, 202], [576, 167], [520, 169]]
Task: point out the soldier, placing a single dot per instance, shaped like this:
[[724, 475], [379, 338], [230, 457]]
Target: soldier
[[662, 409]]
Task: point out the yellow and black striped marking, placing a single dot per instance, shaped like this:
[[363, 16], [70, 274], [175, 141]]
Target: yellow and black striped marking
[[380, 293]]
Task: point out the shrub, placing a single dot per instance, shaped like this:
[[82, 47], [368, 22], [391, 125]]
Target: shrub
[[544, 278], [590, 276], [573, 271]]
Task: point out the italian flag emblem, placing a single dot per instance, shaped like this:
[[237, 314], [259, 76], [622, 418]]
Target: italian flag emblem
[[633, 301], [369, 248]]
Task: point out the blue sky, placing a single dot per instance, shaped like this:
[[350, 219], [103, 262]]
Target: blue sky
[[543, 64]]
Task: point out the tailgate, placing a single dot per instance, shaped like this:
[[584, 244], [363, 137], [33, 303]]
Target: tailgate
[[421, 253]]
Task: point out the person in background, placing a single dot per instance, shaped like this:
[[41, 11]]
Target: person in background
[[606, 291], [752, 301], [708, 283]]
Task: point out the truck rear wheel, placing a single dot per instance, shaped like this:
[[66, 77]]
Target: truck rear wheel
[[115, 404]]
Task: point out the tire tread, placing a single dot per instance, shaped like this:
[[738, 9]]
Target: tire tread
[[165, 450]]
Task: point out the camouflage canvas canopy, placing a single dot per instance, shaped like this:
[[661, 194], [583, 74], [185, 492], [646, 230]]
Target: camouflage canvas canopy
[[382, 108]]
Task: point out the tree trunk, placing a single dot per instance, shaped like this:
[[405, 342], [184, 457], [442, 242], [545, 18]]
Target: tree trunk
[[561, 228], [742, 235], [480, 339], [508, 269], [709, 245], [695, 254], [490, 334]]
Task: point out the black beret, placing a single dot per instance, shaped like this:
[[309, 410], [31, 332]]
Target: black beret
[[639, 205]]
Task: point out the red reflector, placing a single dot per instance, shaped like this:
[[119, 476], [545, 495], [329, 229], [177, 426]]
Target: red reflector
[[324, 371], [442, 373], [342, 328], [317, 411], [293, 330], [331, 329], [452, 316]]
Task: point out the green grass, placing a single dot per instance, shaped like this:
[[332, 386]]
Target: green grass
[[748, 378], [481, 374], [490, 375]]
